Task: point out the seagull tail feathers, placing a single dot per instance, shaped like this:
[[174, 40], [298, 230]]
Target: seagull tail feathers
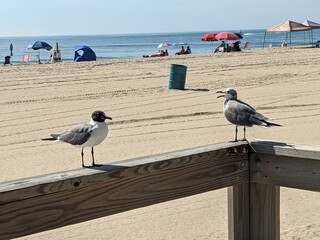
[[48, 139], [270, 124], [53, 137]]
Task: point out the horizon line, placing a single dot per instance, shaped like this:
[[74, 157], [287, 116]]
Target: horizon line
[[139, 33]]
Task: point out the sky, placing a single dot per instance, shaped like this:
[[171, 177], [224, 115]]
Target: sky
[[82, 17]]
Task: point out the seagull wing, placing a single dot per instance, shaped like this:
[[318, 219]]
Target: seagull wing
[[261, 117], [77, 135], [260, 120], [239, 113]]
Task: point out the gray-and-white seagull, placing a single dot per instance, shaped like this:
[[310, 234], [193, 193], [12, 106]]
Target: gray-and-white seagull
[[240, 113], [86, 135]]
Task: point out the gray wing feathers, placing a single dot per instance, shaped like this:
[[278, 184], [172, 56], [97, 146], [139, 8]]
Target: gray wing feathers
[[242, 114], [256, 120], [260, 116], [77, 135], [238, 113]]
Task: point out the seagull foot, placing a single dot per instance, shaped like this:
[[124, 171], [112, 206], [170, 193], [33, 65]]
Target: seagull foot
[[243, 139], [96, 165]]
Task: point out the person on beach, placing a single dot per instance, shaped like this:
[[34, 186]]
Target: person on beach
[[188, 50], [161, 53], [221, 47], [228, 48], [7, 61], [11, 50], [182, 51], [235, 47]]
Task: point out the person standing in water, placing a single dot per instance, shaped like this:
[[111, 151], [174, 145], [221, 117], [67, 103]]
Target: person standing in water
[[11, 50]]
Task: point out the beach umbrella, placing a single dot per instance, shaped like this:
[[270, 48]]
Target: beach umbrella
[[164, 45], [226, 36], [238, 34], [37, 45], [209, 37]]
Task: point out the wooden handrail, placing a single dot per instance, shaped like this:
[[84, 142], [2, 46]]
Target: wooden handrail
[[46, 202], [253, 172]]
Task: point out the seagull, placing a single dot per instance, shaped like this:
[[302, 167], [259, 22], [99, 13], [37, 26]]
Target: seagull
[[242, 114], [85, 135]]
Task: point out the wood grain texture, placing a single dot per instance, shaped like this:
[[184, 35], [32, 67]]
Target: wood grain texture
[[55, 182], [264, 212], [76, 196], [301, 173], [238, 212]]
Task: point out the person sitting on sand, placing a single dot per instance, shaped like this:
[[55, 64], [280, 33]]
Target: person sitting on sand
[[182, 51], [7, 60], [161, 53], [166, 53], [188, 50], [228, 48], [221, 47], [237, 47]]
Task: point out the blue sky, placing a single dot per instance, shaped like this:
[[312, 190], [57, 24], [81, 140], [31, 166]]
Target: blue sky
[[77, 17]]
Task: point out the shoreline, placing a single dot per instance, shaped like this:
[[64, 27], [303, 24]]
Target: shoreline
[[272, 49], [135, 46]]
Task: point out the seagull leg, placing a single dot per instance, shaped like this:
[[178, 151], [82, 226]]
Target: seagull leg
[[236, 138], [244, 133], [93, 163], [82, 154], [92, 154]]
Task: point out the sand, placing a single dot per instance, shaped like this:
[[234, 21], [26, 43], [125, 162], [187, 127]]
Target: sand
[[148, 118]]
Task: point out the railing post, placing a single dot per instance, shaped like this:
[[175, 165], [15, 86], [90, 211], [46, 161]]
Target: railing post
[[264, 201], [238, 212], [264, 212]]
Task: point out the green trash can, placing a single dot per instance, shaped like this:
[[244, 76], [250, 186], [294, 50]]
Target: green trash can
[[178, 75]]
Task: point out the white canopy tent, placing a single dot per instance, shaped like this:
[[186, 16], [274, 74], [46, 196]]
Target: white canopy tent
[[312, 25], [287, 27]]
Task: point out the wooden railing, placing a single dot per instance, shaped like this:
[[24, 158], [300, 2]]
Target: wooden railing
[[253, 173]]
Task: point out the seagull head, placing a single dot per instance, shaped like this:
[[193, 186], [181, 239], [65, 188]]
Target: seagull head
[[99, 116], [229, 94]]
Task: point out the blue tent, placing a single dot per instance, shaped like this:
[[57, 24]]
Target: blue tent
[[84, 53]]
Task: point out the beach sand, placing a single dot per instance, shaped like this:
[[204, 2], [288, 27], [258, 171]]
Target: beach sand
[[148, 118]]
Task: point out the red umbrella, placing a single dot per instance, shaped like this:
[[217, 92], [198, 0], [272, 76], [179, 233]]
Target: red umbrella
[[164, 45], [226, 36], [209, 37]]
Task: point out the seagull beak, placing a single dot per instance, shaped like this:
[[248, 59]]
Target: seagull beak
[[220, 95], [110, 118]]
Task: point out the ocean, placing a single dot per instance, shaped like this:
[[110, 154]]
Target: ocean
[[136, 45]]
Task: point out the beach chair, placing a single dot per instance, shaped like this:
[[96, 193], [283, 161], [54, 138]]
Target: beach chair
[[246, 45], [7, 60], [55, 56], [37, 59], [25, 59]]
